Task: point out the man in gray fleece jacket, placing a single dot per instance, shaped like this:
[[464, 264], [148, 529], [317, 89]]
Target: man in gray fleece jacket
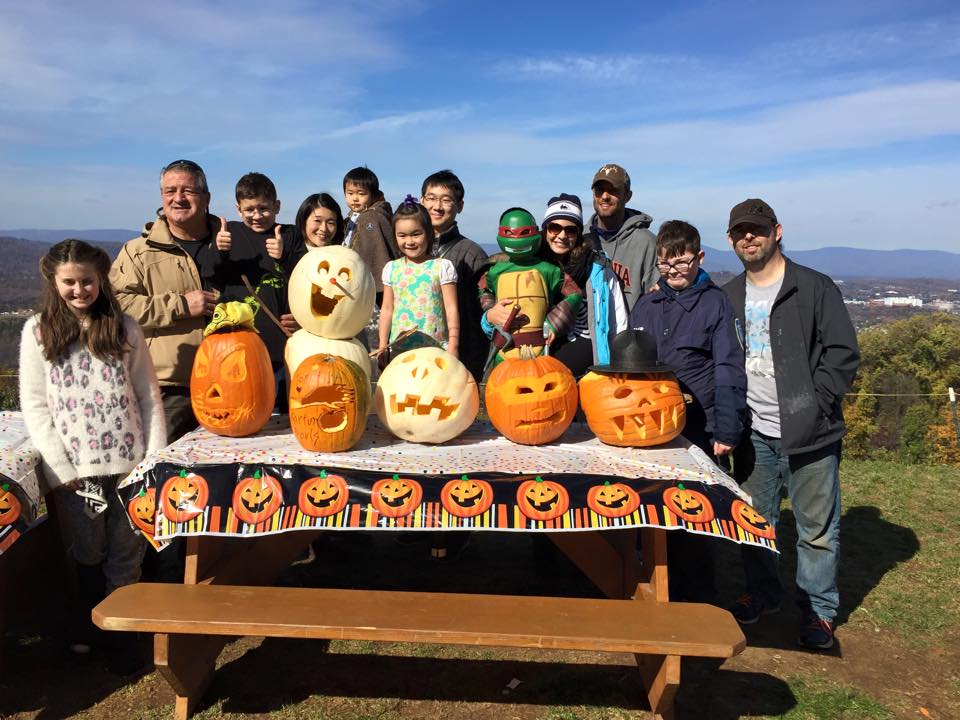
[[623, 234]]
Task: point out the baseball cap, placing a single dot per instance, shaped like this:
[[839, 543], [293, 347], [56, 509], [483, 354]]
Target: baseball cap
[[613, 174], [564, 207], [753, 210]]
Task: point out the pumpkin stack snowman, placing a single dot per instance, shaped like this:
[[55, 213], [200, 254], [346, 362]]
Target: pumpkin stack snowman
[[331, 294]]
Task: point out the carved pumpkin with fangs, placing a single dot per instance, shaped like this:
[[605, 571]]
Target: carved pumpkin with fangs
[[540, 499], [613, 500], [329, 402], [10, 507], [257, 497], [396, 496], [633, 410], [466, 498], [688, 504], [752, 521], [184, 496], [142, 510], [331, 292], [427, 395], [323, 495]]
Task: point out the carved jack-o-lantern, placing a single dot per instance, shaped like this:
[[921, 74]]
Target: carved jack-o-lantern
[[541, 499], [752, 521], [302, 344], [396, 496], [323, 495], [466, 498], [613, 499], [257, 498], [184, 496], [142, 510], [9, 506], [231, 387], [688, 504], [531, 400], [329, 401], [633, 410], [427, 395], [331, 292]]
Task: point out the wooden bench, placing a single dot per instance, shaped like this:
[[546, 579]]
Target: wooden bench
[[653, 630]]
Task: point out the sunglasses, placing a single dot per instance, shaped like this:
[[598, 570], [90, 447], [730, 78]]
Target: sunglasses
[[183, 165], [556, 229]]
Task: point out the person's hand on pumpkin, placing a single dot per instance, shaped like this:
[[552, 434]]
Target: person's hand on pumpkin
[[275, 244], [200, 302], [720, 448], [289, 323], [224, 239]]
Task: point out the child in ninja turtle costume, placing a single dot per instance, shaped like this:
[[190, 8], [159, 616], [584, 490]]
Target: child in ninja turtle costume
[[544, 299]]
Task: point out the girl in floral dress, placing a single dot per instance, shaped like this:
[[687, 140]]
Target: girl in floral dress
[[419, 290], [92, 406]]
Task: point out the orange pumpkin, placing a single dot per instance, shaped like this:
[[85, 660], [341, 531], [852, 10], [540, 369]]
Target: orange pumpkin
[[633, 410], [531, 400], [613, 500], [690, 505], [323, 495], [752, 521], [257, 497], [396, 496], [142, 509], [231, 387], [184, 496], [466, 498], [540, 499], [329, 402], [9, 506]]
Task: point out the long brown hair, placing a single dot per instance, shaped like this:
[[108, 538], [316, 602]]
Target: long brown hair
[[59, 327]]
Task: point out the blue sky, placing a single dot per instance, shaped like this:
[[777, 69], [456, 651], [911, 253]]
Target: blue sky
[[845, 116]]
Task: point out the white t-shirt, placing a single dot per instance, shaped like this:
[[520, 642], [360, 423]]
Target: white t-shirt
[[762, 396]]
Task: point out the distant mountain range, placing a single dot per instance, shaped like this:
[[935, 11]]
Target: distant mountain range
[[837, 262]]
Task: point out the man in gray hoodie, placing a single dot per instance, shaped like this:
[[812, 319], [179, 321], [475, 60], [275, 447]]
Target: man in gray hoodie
[[623, 234]]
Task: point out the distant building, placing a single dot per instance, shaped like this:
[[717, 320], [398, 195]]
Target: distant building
[[900, 301]]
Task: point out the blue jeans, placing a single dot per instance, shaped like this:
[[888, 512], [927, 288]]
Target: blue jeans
[[812, 482]]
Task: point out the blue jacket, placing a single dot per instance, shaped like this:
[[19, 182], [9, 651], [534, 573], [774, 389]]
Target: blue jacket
[[696, 335]]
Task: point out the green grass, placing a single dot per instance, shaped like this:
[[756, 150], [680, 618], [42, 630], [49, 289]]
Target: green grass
[[819, 699]]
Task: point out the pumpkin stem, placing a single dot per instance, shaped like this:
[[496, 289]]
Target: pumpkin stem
[[464, 478], [183, 472], [396, 477], [4, 487], [323, 473], [680, 486], [538, 479], [607, 483], [257, 475], [139, 494], [527, 352]]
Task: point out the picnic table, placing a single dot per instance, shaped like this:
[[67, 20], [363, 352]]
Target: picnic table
[[249, 506]]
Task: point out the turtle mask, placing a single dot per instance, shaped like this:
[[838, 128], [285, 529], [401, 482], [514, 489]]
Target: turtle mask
[[518, 235]]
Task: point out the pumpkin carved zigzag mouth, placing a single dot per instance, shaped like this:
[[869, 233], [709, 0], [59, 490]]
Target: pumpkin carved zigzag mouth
[[557, 417], [442, 405]]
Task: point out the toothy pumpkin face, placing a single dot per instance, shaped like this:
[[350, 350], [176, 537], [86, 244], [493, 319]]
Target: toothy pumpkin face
[[396, 496], [257, 498], [613, 499], [466, 498], [9, 506], [633, 410], [751, 521], [231, 387], [690, 505], [332, 292], [184, 496], [142, 510], [427, 395], [323, 495], [532, 400], [329, 401], [540, 499]]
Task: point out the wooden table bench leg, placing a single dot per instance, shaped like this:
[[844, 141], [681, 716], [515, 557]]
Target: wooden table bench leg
[[661, 677], [187, 662]]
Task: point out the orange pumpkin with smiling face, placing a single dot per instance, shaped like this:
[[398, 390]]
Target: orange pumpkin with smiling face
[[466, 498], [688, 504], [142, 510], [396, 496], [540, 499], [231, 386], [184, 496], [752, 521], [257, 498], [613, 499], [329, 402], [636, 410], [10, 507], [323, 495], [530, 399]]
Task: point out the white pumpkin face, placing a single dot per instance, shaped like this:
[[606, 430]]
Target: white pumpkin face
[[331, 292], [427, 395], [303, 344]]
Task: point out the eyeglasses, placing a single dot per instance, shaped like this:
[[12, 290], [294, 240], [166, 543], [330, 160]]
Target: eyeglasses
[[568, 230], [442, 200], [680, 266], [261, 210], [741, 231]]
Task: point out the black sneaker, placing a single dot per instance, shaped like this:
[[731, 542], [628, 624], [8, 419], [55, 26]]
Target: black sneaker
[[816, 634], [747, 610]]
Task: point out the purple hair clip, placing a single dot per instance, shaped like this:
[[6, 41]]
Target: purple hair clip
[[410, 200]]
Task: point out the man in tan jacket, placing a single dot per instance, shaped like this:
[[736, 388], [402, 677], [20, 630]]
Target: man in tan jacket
[[163, 280]]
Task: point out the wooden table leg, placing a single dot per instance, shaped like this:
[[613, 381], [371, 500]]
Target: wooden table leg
[[187, 662], [661, 678], [653, 570]]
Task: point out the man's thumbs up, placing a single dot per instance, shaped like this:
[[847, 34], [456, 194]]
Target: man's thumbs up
[[275, 244], [224, 239]]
